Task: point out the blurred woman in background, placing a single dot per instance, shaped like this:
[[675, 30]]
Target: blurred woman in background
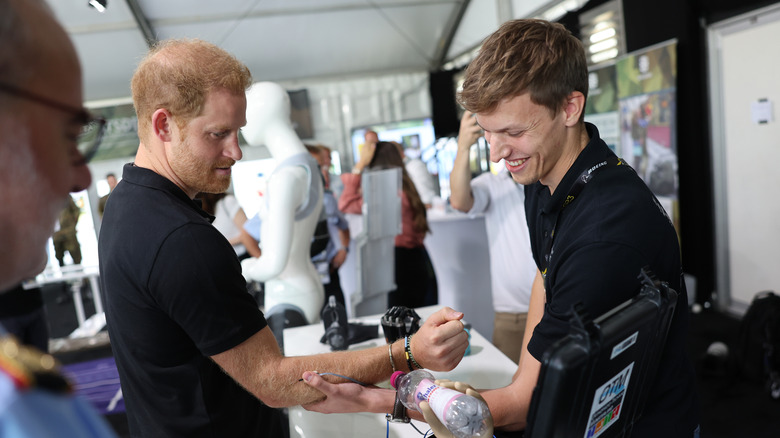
[[229, 219], [415, 278]]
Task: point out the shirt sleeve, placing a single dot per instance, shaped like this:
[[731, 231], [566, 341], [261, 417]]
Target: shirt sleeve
[[335, 221], [351, 200], [252, 226], [480, 193], [599, 276], [230, 204], [422, 179]]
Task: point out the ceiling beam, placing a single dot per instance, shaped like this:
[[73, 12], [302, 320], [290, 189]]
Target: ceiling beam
[[144, 25], [309, 10], [448, 34], [504, 10]]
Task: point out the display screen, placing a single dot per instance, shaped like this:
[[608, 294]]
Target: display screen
[[419, 141], [416, 136]]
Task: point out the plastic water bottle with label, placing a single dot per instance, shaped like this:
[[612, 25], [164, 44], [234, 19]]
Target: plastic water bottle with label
[[463, 415]]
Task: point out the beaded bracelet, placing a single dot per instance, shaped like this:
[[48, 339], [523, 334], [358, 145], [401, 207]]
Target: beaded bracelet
[[408, 353], [409, 357], [390, 352]]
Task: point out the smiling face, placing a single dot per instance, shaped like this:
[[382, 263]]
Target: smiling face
[[201, 158], [534, 144]]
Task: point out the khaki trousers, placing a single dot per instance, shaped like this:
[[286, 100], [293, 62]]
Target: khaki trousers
[[508, 330]]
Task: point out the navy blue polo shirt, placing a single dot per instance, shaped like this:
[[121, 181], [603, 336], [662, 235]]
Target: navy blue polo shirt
[[174, 295], [602, 239]]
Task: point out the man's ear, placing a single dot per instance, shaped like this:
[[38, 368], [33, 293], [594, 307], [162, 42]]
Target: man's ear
[[161, 124], [575, 105]]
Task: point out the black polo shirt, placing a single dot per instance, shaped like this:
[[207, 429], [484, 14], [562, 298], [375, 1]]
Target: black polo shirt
[[174, 295], [602, 239]]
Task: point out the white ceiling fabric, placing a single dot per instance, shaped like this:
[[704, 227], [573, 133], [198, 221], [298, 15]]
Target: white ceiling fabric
[[282, 40]]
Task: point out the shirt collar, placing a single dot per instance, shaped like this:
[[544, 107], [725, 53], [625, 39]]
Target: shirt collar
[[148, 178], [595, 151]]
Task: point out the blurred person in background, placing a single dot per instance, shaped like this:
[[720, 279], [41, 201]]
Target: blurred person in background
[[111, 181], [329, 260], [415, 278], [229, 219], [65, 237]]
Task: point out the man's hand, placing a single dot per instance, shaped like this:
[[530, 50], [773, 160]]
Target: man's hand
[[436, 426], [461, 197], [469, 132], [440, 343], [339, 258], [348, 397], [366, 155]]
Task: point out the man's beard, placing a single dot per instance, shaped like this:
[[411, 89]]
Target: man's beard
[[28, 219], [197, 174]]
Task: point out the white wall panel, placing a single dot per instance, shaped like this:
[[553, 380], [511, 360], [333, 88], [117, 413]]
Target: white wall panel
[[744, 55]]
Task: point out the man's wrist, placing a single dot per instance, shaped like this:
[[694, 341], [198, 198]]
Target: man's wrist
[[399, 413], [465, 148]]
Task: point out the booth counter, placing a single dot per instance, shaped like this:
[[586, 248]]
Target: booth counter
[[458, 247]]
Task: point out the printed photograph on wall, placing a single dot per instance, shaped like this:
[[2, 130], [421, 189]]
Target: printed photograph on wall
[[601, 108], [646, 92]]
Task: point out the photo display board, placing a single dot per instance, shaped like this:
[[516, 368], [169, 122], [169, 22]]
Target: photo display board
[[633, 103]]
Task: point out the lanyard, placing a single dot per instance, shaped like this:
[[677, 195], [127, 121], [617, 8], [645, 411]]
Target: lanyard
[[574, 191]]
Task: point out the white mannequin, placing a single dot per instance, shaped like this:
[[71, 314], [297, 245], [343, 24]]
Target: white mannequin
[[285, 264]]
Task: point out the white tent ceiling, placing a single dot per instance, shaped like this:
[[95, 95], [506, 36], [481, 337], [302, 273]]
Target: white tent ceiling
[[283, 40]]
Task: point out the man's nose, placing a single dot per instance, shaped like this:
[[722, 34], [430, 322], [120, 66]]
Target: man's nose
[[498, 149], [234, 150], [81, 177]]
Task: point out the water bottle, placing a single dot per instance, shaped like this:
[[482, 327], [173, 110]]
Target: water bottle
[[463, 415]]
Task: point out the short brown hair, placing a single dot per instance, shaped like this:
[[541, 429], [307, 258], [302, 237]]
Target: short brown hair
[[178, 74], [529, 55]]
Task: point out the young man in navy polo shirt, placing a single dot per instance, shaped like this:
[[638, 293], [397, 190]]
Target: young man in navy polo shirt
[[528, 88]]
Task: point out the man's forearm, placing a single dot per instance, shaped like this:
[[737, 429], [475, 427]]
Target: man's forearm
[[509, 405], [366, 366], [251, 245], [461, 197], [508, 408], [258, 365], [370, 366]]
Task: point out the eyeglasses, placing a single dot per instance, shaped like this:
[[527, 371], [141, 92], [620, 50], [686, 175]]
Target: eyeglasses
[[93, 127]]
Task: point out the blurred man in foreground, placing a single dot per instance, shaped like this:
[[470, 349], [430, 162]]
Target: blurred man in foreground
[[42, 160]]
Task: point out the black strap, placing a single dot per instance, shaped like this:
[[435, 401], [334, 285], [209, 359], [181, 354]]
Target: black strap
[[576, 188], [399, 414]]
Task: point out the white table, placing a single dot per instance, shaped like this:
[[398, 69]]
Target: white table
[[486, 367], [74, 275]]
